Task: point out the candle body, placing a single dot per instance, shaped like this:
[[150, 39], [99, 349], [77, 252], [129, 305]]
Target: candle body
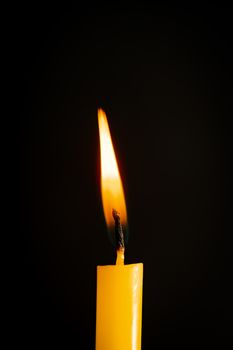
[[119, 307]]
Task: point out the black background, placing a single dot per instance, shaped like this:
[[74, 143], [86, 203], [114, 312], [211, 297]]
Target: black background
[[163, 77]]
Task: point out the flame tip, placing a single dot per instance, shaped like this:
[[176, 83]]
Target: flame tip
[[100, 110]]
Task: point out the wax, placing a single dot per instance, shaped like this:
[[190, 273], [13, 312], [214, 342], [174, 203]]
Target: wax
[[119, 307]]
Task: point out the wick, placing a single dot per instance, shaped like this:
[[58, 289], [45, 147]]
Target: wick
[[119, 238]]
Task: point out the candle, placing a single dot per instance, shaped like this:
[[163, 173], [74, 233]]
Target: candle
[[119, 287]]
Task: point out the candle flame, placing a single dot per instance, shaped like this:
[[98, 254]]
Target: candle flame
[[111, 185]]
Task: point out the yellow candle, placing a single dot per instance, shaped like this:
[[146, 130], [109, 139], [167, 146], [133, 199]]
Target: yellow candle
[[119, 307], [119, 287]]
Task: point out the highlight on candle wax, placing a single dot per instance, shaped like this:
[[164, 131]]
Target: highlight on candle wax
[[112, 191]]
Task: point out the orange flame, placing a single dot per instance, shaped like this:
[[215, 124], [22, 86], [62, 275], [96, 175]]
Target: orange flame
[[111, 185]]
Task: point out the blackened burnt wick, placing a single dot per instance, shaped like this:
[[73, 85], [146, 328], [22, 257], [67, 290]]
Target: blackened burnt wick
[[118, 231]]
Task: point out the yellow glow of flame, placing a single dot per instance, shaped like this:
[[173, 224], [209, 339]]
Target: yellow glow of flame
[[111, 185]]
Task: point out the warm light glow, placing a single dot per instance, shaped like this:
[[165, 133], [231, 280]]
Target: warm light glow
[[111, 185]]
